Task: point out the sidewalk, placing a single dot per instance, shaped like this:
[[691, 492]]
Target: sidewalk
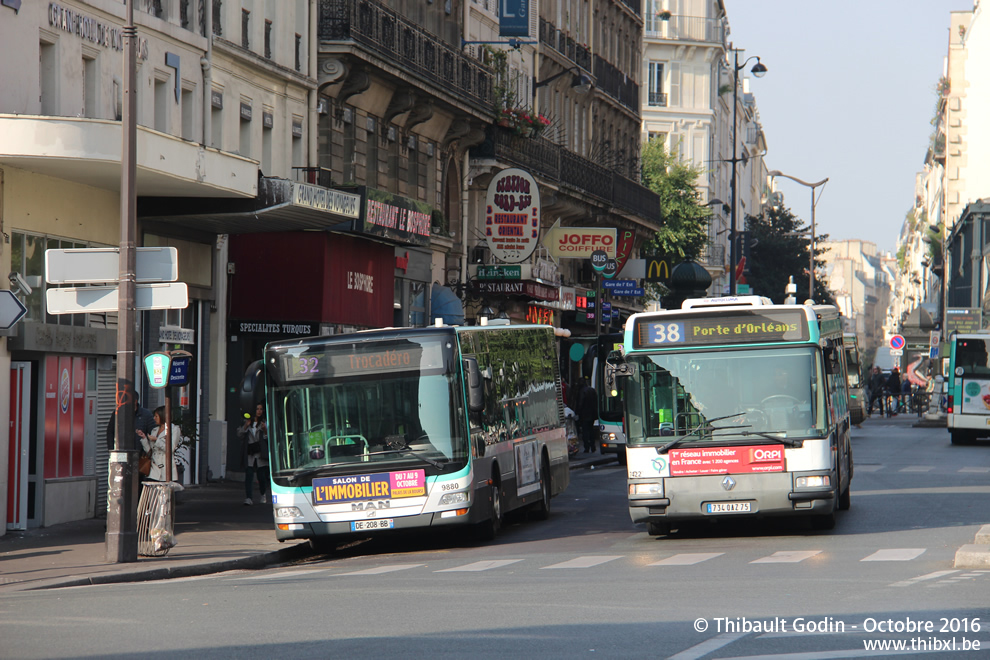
[[214, 531]]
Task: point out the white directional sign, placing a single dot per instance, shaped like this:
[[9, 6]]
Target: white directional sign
[[99, 265], [11, 309], [95, 299]]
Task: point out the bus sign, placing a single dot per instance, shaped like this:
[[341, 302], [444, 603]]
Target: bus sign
[[733, 327]]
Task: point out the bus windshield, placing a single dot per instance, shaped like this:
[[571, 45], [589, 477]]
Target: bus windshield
[[720, 395], [364, 405], [971, 357]]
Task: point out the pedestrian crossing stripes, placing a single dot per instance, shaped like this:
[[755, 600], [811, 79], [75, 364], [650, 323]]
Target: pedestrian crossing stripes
[[378, 570], [687, 559], [787, 557], [895, 554], [480, 566], [585, 562]]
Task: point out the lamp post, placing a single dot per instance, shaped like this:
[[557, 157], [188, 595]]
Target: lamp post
[[582, 83], [758, 70], [811, 237]]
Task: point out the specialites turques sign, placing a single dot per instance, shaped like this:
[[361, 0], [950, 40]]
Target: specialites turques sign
[[512, 215]]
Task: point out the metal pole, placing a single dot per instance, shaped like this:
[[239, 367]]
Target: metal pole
[[168, 433], [121, 538], [732, 215], [811, 249]]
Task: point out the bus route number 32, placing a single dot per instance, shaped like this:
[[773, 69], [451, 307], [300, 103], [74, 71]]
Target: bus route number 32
[[666, 333]]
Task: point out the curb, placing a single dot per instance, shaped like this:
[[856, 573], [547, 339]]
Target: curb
[[260, 560], [975, 555]]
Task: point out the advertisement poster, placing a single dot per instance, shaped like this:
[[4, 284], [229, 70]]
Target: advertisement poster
[[726, 460], [975, 397], [381, 486], [527, 468]]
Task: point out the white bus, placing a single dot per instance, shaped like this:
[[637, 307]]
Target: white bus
[[413, 428], [735, 407]]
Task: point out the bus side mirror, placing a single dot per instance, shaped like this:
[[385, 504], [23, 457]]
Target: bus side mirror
[[613, 371], [252, 390], [475, 385]]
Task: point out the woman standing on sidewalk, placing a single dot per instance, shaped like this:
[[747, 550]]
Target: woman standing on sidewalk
[[255, 436], [155, 446]]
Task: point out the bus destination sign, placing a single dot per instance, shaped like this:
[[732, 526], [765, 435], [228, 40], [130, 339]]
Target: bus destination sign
[[338, 362], [736, 327]]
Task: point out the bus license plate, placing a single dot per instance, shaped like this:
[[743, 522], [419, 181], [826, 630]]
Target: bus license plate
[[378, 523], [729, 507]]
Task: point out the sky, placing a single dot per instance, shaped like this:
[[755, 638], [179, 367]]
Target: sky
[[849, 94]]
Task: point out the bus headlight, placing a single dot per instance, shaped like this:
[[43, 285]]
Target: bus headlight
[[454, 498], [654, 488], [288, 512], [813, 481]]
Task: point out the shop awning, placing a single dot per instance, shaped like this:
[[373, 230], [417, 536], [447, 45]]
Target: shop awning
[[444, 304]]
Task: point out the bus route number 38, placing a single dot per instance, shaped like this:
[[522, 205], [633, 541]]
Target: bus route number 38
[[666, 333]]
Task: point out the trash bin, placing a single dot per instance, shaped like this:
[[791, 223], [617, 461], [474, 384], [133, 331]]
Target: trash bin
[[156, 513]]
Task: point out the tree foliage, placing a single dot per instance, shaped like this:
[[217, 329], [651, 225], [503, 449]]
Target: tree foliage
[[685, 221], [775, 256]]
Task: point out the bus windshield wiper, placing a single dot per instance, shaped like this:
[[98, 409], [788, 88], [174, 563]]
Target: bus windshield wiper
[[305, 473], [790, 442], [703, 426], [397, 444]]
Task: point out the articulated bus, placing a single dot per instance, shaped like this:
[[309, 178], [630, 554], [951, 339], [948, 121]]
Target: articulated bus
[[735, 407], [968, 403], [409, 428]]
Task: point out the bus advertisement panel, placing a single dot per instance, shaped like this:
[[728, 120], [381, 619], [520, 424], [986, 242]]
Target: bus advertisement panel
[[413, 428], [735, 407]]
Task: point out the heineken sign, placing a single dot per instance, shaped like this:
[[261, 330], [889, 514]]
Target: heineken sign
[[499, 272]]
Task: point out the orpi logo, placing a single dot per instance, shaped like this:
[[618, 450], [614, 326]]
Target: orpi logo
[[765, 455]]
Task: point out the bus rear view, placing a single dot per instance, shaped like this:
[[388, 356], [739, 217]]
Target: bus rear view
[[968, 403]]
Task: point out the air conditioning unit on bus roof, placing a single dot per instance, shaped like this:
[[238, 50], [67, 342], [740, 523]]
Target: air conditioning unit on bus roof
[[726, 301]]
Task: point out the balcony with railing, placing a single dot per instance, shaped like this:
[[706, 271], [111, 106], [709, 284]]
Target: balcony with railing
[[712, 255], [686, 28], [397, 40], [553, 162], [616, 84], [564, 44], [657, 99]]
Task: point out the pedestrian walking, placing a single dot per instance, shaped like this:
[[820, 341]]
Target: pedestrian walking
[[894, 387], [254, 432], [877, 383], [156, 445], [587, 412]]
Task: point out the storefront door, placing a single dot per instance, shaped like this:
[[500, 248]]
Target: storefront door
[[17, 464]]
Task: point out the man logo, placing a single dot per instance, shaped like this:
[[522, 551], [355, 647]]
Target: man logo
[[365, 506]]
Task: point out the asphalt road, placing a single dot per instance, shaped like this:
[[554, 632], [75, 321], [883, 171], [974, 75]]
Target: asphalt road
[[586, 583]]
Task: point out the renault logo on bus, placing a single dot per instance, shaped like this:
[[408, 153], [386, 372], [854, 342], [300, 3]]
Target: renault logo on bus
[[728, 483], [764, 455]]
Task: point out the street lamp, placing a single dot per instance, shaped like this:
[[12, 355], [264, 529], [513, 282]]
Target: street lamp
[[581, 84], [758, 70], [811, 239]]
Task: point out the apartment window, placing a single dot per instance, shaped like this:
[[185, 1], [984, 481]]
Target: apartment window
[[268, 39], [298, 157], [655, 97], [267, 124], [48, 77], [161, 105], [371, 169], [349, 147], [184, 19], [216, 118], [413, 167], [298, 52], [188, 108], [217, 13], [245, 26], [245, 143], [90, 83]]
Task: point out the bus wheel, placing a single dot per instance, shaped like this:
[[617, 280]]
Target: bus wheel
[[541, 510], [488, 529], [845, 499], [657, 528]]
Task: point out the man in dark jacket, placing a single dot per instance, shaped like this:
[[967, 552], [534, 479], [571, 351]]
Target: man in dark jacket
[[587, 412], [894, 386], [877, 383], [143, 421]]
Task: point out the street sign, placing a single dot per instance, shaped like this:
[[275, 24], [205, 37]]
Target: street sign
[[96, 299], [99, 265], [578, 242], [896, 352], [598, 260], [934, 339], [12, 310], [933, 353], [157, 367], [179, 373], [897, 342]]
